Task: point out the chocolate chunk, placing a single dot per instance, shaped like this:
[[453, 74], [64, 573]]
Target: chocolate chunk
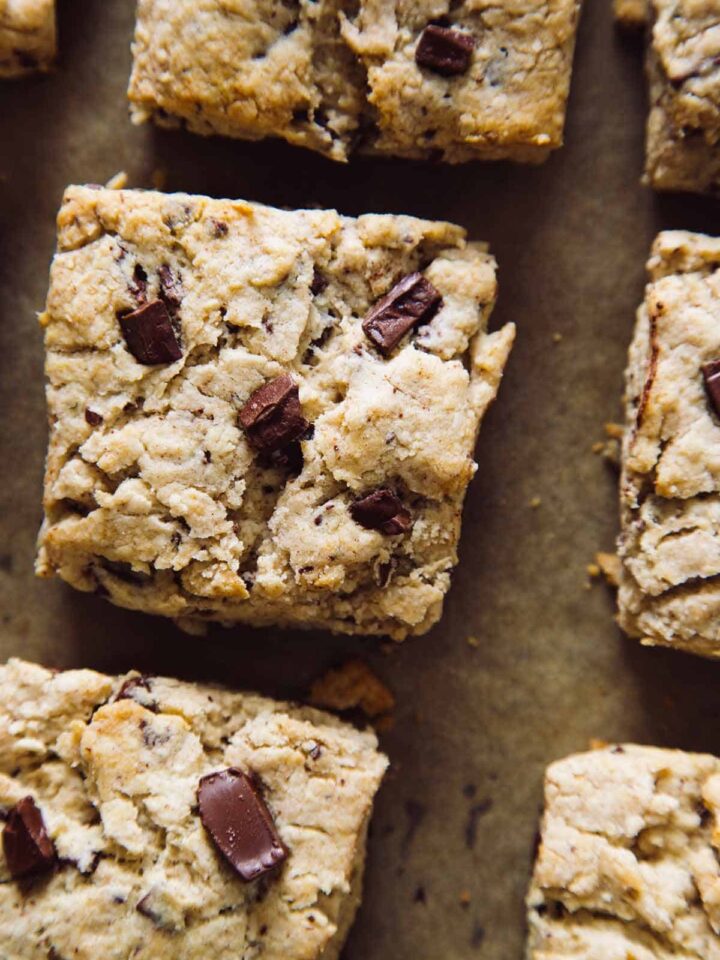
[[445, 51], [381, 510], [711, 376], [171, 291], [240, 824], [319, 282], [138, 287], [149, 334], [412, 301], [26, 843], [93, 418], [272, 416]]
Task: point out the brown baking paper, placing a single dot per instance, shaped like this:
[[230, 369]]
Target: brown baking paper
[[546, 670]]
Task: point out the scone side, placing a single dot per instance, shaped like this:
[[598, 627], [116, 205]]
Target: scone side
[[27, 39]]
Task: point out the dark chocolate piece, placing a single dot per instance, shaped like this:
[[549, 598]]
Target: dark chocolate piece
[[236, 817], [444, 50], [319, 282], [711, 376], [272, 417], [149, 334], [139, 284], [137, 689], [27, 846], [382, 510], [171, 291], [412, 301], [93, 418]]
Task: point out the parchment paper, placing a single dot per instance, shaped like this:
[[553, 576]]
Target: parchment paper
[[475, 725]]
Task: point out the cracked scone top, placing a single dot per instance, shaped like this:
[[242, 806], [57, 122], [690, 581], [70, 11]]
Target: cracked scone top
[[113, 766], [670, 486], [27, 36], [293, 465], [433, 78], [628, 860], [683, 132]]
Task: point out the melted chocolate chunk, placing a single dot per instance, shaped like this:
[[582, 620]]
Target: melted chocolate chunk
[[412, 301], [138, 689], [272, 417], [93, 418], [27, 846], [445, 51], [240, 824], [382, 510], [711, 376], [138, 287], [149, 334]]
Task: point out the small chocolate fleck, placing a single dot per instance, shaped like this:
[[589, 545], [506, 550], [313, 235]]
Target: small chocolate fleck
[[711, 376], [149, 334], [240, 824], [420, 895], [444, 50], [477, 810], [219, 228], [412, 301], [138, 689], [93, 418], [272, 417], [27, 846], [382, 510]]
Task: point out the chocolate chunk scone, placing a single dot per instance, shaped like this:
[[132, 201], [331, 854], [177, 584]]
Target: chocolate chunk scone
[[27, 36], [262, 416], [628, 862], [670, 488], [160, 820], [434, 79], [683, 133]]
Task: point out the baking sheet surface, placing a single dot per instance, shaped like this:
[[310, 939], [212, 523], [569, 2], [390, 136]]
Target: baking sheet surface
[[476, 724]]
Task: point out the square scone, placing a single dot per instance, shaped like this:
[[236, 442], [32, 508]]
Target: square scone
[[27, 36], [683, 132], [627, 867], [262, 416], [434, 79], [670, 504], [160, 820]]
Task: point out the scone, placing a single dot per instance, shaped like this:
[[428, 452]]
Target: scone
[[27, 36], [160, 820], [670, 503], [433, 79], [259, 416], [683, 133], [627, 867]]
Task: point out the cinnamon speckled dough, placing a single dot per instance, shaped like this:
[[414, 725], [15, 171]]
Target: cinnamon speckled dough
[[670, 488], [27, 36], [116, 782], [336, 76], [683, 135], [628, 862], [164, 507]]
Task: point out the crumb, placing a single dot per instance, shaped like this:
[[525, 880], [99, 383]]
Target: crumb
[[465, 898], [597, 744], [535, 502], [593, 570], [159, 178], [351, 686], [557, 337], [609, 565], [472, 642], [614, 430], [118, 182], [598, 447]]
